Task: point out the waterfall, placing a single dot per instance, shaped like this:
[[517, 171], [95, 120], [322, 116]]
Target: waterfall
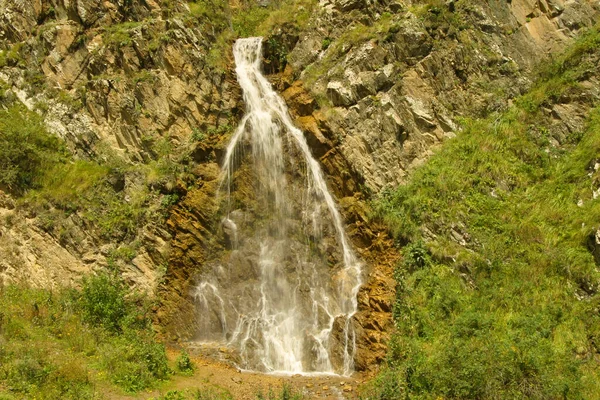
[[284, 292]]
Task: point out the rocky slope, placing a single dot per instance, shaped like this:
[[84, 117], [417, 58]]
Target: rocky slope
[[501, 226], [147, 86]]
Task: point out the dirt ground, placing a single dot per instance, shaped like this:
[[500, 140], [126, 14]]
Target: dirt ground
[[222, 377]]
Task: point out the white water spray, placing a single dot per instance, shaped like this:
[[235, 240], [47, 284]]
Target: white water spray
[[287, 290]]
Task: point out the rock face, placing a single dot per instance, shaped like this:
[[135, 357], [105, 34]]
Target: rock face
[[139, 80], [28, 254], [398, 79], [376, 87], [115, 80]]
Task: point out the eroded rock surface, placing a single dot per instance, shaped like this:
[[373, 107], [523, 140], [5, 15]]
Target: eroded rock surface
[[375, 86], [398, 81]]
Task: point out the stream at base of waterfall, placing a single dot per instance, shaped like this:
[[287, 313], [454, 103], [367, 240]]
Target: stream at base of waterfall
[[283, 290]]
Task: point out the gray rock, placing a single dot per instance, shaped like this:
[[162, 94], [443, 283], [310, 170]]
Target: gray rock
[[339, 94]]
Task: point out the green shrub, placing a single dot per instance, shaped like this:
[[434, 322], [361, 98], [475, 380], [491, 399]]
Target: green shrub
[[48, 347], [26, 149], [184, 363], [134, 361], [103, 301], [173, 395], [120, 34]]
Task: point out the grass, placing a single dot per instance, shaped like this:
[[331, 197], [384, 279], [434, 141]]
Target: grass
[[120, 34], [247, 18], [337, 48], [511, 312], [63, 344], [38, 169], [81, 344], [25, 148], [215, 393]]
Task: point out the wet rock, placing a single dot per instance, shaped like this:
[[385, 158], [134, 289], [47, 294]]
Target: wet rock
[[298, 100]]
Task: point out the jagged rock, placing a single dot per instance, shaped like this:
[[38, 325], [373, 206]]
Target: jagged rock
[[394, 99], [89, 11], [349, 5], [298, 100], [412, 40]]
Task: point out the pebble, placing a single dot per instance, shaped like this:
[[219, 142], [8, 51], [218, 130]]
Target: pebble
[[325, 388], [347, 388]]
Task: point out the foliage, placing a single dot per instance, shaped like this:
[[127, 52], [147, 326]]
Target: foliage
[[248, 18], [134, 361], [12, 57], [26, 149], [286, 393], [497, 294], [119, 35], [173, 395], [184, 363], [246, 22], [103, 301], [442, 18], [47, 350]]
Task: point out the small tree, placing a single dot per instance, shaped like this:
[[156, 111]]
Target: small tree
[[103, 301]]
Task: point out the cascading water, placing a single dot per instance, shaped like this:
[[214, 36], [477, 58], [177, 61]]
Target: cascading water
[[284, 291]]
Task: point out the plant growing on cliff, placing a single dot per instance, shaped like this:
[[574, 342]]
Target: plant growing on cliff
[[497, 295], [120, 34], [26, 149]]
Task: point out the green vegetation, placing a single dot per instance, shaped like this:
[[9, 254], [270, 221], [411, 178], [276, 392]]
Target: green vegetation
[[185, 364], [335, 48], [442, 18], [62, 344], [120, 34], [216, 393], [206, 393], [497, 293], [226, 23], [12, 57], [36, 167], [26, 150]]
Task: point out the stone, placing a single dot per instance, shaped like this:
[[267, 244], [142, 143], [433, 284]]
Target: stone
[[349, 5], [298, 99], [339, 94], [412, 40]]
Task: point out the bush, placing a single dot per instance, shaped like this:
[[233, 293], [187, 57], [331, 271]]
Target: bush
[[134, 361], [26, 149], [103, 301], [47, 349], [185, 364]]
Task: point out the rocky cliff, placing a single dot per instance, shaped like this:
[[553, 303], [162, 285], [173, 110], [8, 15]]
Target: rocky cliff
[[147, 88]]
